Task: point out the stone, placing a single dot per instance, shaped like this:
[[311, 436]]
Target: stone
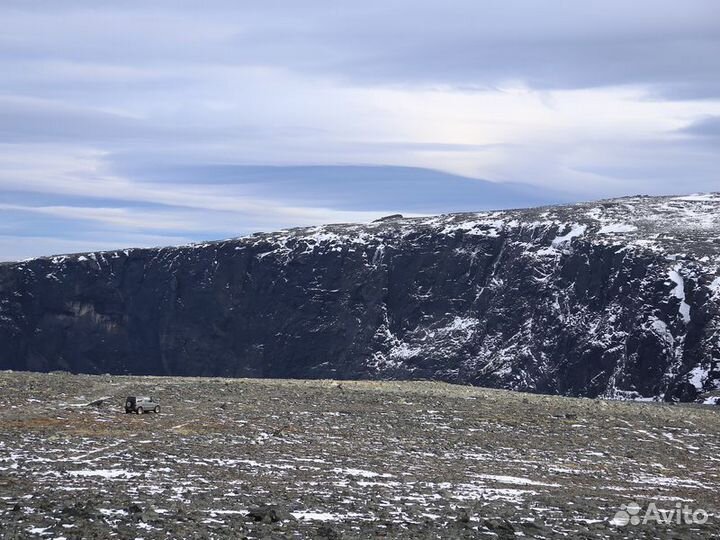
[[326, 532], [269, 514]]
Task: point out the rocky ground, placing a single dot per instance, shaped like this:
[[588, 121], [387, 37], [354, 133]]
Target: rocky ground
[[321, 459]]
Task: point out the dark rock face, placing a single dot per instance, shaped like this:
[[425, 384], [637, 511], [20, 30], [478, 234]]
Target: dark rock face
[[619, 298]]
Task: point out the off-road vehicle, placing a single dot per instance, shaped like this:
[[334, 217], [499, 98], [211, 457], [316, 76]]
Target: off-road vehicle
[[141, 404]]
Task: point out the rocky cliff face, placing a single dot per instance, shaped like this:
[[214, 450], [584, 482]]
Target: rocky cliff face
[[619, 298]]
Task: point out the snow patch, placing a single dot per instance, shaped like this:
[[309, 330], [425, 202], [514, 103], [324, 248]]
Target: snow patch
[[462, 323], [612, 228], [361, 472], [404, 351], [661, 329], [575, 231], [715, 287], [317, 516], [699, 197], [105, 473], [679, 292], [516, 480], [696, 376]]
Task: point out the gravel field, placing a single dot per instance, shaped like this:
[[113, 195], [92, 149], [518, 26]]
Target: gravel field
[[235, 458]]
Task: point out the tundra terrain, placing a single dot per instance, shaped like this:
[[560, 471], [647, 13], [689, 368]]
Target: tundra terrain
[[244, 458]]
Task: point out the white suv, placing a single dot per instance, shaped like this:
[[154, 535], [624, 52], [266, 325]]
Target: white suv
[[141, 404]]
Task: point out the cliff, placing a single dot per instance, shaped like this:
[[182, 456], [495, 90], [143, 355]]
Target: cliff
[[617, 298]]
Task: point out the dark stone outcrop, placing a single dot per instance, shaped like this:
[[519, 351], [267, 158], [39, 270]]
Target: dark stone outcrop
[[618, 298]]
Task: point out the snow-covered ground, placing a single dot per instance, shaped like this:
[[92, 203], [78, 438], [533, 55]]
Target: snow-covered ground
[[404, 460]]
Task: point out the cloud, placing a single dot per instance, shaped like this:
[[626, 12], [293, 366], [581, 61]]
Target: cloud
[[670, 47], [21, 247], [37, 120], [86, 175], [137, 120], [706, 127]]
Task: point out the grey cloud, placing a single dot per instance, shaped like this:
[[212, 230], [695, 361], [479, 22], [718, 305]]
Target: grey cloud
[[24, 120], [673, 47], [28, 120], [708, 127], [559, 45], [655, 166]]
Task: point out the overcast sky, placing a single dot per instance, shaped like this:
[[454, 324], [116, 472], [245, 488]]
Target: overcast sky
[[141, 123]]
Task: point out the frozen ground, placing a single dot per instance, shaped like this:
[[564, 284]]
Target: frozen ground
[[342, 460]]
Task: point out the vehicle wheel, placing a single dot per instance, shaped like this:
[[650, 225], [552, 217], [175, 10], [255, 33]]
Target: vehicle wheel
[[140, 410], [157, 409], [127, 411]]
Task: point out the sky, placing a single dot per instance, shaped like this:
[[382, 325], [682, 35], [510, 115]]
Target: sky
[[140, 123]]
